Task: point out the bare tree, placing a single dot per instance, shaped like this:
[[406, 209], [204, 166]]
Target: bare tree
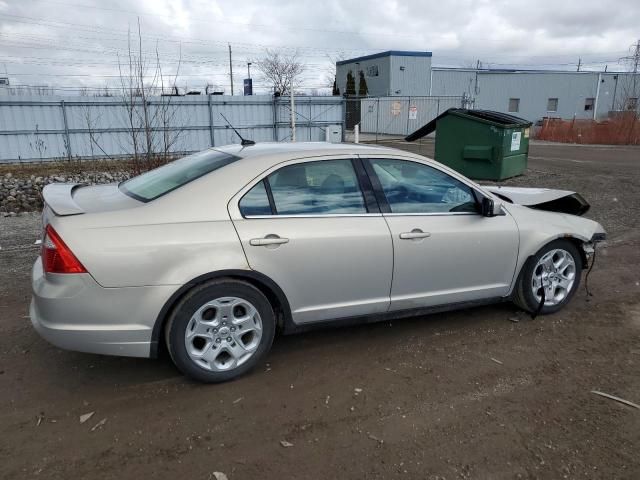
[[149, 116], [167, 112], [128, 84], [94, 137], [281, 71], [330, 79], [628, 85]]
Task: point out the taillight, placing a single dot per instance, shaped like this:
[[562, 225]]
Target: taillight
[[56, 256]]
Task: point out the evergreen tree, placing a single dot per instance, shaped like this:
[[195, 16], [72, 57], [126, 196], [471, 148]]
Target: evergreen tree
[[363, 90], [336, 90], [350, 89]]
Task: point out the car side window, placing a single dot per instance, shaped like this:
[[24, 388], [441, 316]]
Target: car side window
[[317, 188], [412, 187], [255, 202]]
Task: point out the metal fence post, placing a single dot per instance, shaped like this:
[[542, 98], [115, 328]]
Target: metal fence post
[[275, 118], [66, 130], [309, 122], [408, 114], [377, 117], [211, 135], [344, 117]]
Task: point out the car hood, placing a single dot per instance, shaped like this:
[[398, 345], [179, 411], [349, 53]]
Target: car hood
[[563, 201]]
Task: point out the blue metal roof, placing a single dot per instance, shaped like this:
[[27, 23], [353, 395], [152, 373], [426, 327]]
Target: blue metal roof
[[388, 53]]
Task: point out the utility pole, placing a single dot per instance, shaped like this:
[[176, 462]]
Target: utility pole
[[230, 70], [579, 63]]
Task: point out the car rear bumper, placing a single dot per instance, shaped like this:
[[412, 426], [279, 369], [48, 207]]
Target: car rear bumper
[[74, 312]]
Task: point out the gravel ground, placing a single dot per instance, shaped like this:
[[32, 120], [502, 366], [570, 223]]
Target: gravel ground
[[468, 394]]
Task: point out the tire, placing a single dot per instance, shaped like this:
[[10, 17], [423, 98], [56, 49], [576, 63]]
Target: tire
[[524, 295], [220, 330]]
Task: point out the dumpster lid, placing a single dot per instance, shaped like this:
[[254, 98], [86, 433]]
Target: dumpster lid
[[487, 116]]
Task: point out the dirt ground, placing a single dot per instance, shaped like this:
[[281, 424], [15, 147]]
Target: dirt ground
[[463, 395]]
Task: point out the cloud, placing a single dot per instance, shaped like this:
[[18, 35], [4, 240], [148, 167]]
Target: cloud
[[79, 42]]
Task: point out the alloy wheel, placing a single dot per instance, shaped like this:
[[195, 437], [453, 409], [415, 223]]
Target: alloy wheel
[[555, 273], [223, 333]]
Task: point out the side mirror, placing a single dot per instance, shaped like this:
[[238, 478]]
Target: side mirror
[[490, 207]]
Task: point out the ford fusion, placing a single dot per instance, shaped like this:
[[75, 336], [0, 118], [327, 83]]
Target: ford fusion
[[212, 254]]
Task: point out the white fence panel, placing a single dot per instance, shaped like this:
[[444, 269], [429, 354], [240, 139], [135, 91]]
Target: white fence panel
[[401, 115], [52, 128]]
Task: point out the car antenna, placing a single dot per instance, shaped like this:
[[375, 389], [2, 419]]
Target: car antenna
[[244, 141]]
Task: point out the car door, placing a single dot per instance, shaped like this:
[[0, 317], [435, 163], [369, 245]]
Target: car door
[[314, 228], [444, 250]]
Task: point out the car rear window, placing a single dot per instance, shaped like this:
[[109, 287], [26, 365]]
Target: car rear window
[[158, 182]]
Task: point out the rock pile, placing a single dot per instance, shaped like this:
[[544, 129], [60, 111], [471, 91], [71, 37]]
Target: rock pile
[[23, 193]]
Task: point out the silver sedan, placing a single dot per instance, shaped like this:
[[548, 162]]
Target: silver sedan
[[212, 254]]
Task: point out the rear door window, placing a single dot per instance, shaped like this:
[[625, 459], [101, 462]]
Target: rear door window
[[255, 202], [326, 187]]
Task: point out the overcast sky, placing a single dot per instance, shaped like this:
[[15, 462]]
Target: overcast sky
[[70, 43]]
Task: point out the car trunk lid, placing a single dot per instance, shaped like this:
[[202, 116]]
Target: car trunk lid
[[65, 199]]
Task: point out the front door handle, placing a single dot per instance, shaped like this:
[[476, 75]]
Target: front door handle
[[414, 234], [270, 239]]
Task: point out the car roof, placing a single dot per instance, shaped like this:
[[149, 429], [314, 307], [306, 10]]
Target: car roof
[[300, 149]]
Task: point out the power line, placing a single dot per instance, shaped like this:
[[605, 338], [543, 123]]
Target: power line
[[208, 42], [171, 38], [279, 26]]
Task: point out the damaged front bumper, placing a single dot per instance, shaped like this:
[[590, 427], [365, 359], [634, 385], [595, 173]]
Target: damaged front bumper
[[589, 248]]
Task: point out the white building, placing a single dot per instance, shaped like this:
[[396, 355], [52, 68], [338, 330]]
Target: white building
[[530, 94]]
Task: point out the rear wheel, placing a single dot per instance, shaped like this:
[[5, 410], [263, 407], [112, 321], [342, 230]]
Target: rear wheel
[[553, 273], [220, 330]]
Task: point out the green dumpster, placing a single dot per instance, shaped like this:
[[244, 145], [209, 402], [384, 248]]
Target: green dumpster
[[480, 144]]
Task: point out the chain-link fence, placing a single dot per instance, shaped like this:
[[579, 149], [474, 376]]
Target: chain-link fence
[[381, 117]]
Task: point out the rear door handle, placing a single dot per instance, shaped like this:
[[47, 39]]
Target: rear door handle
[[414, 234], [270, 239]]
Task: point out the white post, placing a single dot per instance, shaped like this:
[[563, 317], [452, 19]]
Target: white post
[[293, 113], [356, 133], [595, 102]]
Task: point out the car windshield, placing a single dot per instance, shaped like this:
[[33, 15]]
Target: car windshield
[[155, 183]]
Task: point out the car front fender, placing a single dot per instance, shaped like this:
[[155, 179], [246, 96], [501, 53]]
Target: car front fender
[[538, 228]]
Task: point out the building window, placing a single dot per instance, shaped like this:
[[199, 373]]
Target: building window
[[514, 104], [632, 103], [552, 105], [588, 104], [372, 71]]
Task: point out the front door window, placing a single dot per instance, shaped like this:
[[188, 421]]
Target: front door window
[[411, 187]]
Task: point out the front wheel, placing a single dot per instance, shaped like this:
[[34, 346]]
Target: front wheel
[[220, 330], [552, 274]]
